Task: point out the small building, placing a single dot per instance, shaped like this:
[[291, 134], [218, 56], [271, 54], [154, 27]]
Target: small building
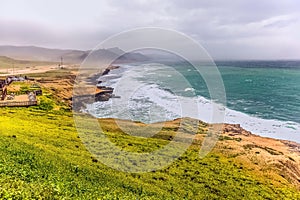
[[3, 89]]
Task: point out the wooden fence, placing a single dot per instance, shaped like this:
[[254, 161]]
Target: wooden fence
[[18, 103]]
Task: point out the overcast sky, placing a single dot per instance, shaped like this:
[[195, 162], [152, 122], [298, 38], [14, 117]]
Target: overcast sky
[[228, 29]]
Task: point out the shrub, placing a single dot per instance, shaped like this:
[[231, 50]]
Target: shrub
[[46, 104]]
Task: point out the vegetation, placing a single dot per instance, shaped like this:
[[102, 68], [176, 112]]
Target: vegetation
[[20, 87], [6, 63], [61, 73], [43, 157], [45, 104]]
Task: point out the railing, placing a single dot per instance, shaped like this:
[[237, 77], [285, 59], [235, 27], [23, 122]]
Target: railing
[[18, 103]]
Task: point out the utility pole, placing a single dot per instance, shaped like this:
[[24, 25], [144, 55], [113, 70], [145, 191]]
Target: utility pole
[[13, 66], [61, 62]]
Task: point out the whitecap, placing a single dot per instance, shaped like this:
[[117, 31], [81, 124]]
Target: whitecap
[[168, 106], [189, 89]]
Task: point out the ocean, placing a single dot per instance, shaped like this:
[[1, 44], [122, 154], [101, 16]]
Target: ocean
[[262, 96]]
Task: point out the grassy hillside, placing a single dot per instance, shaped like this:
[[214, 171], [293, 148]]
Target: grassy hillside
[[69, 55], [43, 157], [36, 53], [9, 63]]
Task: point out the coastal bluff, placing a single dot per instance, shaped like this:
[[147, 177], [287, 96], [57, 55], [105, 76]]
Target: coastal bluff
[[278, 160]]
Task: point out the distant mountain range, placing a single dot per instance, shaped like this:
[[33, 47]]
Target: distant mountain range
[[68, 55]]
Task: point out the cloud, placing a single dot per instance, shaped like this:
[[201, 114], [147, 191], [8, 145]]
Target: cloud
[[232, 29], [23, 32]]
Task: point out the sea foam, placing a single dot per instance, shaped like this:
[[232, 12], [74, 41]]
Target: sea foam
[[151, 103]]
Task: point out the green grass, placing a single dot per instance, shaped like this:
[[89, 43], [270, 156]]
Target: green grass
[[60, 73], [25, 87], [42, 157]]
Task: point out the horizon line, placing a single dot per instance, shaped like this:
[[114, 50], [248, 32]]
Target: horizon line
[[214, 59]]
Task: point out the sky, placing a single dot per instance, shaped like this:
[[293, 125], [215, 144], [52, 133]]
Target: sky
[[231, 29]]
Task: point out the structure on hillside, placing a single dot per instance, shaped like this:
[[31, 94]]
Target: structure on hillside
[[14, 100], [4, 82], [3, 89], [61, 64]]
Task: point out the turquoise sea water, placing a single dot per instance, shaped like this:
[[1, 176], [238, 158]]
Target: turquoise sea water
[[262, 96], [270, 93], [265, 89]]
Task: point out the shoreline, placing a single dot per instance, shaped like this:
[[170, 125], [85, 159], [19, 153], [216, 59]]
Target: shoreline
[[94, 92], [109, 94], [238, 145]]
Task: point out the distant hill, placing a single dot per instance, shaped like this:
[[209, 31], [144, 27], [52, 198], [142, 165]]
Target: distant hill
[[6, 62], [69, 55], [32, 53]]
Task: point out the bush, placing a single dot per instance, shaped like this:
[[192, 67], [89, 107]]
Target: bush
[[46, 104]]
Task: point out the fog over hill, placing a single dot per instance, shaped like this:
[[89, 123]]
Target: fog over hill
[[68, 55]]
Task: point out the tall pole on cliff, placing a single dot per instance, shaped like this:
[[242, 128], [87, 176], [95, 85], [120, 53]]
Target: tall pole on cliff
[[13, 67], [61, 62]]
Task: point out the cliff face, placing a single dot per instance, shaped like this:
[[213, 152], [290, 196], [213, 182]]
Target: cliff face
[[276, 159], [276, 162]]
